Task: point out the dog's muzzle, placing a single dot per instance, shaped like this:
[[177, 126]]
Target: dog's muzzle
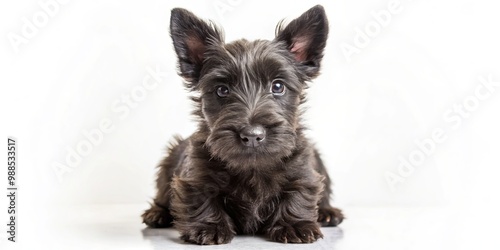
[[253, 136]]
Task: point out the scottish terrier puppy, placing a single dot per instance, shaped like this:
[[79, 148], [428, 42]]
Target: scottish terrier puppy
[[248, 169]]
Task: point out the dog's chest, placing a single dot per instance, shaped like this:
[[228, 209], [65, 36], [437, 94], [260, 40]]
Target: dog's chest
[[251, 201]]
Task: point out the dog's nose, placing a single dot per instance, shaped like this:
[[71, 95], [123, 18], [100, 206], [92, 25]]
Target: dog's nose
[[252, 136]]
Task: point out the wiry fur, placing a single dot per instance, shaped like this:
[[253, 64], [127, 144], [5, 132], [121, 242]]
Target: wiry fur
[[211, 186]]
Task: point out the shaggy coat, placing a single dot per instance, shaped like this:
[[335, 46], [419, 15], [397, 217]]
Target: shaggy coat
[[248, 169]]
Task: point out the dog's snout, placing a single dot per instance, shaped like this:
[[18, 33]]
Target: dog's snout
[[252, 136]]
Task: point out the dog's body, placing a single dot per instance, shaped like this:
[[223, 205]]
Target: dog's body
[[248, 168]]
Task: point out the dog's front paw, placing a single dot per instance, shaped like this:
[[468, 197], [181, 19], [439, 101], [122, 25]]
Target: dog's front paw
[[157, 217], [208, 235], [301, 232], [330, 216]]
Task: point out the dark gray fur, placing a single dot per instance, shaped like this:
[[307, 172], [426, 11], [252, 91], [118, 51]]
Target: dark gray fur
[[211, 185]]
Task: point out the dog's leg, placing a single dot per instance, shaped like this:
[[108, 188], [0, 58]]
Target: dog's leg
[[328, 216], [159, 215], [295, 217], [199, 213]]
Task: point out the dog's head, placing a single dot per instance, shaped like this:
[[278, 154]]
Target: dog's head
[[250, 92]]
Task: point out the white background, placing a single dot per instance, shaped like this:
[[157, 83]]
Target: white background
[[365, 111]]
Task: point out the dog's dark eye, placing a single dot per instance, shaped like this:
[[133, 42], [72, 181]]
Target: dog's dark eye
[[278, 87], [222, 91]]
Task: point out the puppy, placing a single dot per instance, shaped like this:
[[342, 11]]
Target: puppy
[[248, 168]]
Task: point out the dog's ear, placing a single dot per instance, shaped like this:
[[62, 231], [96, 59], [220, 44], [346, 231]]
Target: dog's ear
[[191, 37], [305, 37]]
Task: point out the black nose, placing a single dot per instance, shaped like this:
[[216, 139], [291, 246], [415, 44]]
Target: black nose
[[252, 136]]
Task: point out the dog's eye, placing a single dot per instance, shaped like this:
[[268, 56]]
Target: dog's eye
[[278, 87], [222, 91]]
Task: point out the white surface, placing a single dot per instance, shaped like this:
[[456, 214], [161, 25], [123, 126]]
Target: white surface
[[386, 228], [365, 114]]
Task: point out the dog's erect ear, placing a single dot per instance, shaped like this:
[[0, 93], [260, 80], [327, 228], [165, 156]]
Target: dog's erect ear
[[191, 37], [305, 37]]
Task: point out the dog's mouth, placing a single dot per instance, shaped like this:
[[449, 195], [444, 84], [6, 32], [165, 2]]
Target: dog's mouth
[[251, 146]]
